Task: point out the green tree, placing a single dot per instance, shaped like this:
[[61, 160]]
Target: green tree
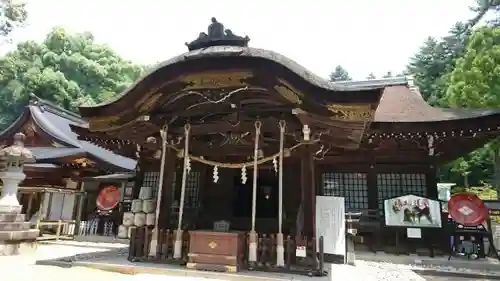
[[12, 15], [432, 64], [475, 83], [340, 74], [388, 75], [67, 69]]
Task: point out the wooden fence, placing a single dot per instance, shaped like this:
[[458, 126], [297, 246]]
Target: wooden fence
[[311, 265]]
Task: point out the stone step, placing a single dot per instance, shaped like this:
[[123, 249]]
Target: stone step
[[14, 226], [12, 217], [29, 234]]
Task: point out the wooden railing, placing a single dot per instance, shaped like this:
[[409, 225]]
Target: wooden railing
[[63, 229], [266, 251]]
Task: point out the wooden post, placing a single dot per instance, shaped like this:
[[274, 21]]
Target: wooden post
[[58, 230], [308, 197], [154, 238], [280, 250], [30, 205], [252, 247], [167, 194], [79, 208], [40, 211], [178, 234]]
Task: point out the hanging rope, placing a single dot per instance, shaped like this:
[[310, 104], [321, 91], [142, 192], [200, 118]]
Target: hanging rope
[[242, 164]]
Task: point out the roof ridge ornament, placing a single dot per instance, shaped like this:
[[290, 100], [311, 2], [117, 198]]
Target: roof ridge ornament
[[44, 104], [217, 36]]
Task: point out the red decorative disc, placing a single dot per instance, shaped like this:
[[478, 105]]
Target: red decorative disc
[[467, 209], [108, 198]]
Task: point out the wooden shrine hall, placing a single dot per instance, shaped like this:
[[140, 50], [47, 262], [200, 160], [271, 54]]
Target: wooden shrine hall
[[244, 139], [63, 162]]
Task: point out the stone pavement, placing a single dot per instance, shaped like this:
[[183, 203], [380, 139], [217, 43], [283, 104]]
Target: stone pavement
[[96, 255]]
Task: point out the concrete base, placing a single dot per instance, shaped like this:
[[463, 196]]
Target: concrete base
[[11, 209], [16, 237], [12, 248]]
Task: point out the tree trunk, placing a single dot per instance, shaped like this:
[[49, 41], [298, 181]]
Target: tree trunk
[[466, 180]]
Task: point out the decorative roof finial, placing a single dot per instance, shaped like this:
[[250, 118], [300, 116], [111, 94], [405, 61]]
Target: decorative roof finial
[[217, 36]]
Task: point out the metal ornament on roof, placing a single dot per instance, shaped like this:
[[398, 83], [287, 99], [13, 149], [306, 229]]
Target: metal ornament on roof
[[13, 158], [217, 36]]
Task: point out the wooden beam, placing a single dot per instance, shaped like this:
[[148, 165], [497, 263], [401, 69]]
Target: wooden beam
[[221, 109]]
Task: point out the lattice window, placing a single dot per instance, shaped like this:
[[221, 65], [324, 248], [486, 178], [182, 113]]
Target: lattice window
[[191, 197], [394, 185], [152, 179], [192, 190], [352, 186]]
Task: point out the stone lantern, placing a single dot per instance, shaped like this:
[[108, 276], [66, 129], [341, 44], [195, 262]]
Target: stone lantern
[[16, 237], [12, 160]]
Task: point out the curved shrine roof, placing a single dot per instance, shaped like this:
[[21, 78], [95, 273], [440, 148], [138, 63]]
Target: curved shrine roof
[[402, 102], [56, 122], [257, 60]]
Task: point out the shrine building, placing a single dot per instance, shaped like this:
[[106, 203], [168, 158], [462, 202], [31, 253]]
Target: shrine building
[[227, 132]]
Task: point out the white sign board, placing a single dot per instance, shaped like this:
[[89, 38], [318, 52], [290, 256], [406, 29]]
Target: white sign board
[[330, 223], [301, 251], [412, 211], [413, 232]]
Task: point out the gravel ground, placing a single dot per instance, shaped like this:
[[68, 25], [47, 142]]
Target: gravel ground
[[23, 268], [440, 278]]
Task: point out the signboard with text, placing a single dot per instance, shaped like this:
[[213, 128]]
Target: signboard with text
[[412, 211], [330, 223]]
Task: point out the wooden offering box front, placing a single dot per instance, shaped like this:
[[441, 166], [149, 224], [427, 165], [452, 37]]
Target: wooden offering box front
[[216, 251]]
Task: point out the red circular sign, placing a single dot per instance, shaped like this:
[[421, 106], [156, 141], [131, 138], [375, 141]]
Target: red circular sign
[[467, 209], [108, 198]]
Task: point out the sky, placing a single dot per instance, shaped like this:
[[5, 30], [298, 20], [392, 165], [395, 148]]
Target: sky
[[363, 36]]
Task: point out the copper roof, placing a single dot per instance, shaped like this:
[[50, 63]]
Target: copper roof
[[56, 122], [402, 102]]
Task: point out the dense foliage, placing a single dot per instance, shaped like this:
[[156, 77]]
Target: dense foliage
[[12, 15], [461, 70], [68, 69]]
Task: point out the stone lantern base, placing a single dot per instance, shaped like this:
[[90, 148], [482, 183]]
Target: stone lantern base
[[16, 237]]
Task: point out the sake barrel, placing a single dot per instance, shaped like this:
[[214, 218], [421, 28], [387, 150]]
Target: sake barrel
[[136, 206], [150, 219], [123, 232], [146, 192], [128, 219], [139, 219], [148, 205]]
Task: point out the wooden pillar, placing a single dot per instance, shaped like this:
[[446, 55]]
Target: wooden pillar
[[166, 198], [139, 176], [371, 181], [308, 187], [431, 182], [429, 235], [79, 207], [30, 204]]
